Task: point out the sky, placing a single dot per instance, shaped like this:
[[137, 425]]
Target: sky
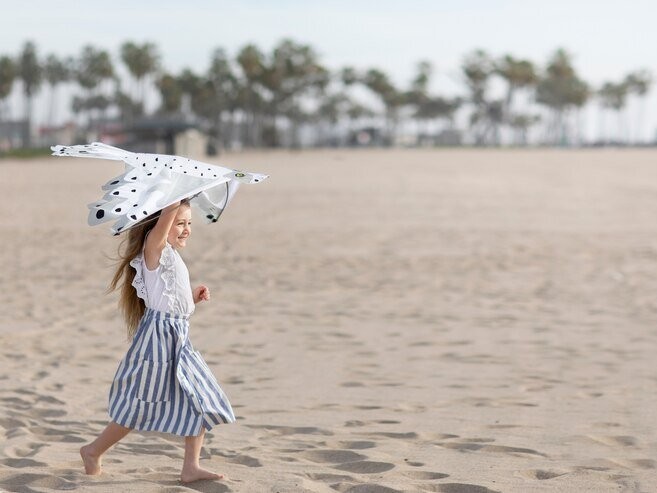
[[607, 38]]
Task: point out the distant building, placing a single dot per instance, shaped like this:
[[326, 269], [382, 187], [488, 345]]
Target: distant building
[[62, 134], [156, 134]]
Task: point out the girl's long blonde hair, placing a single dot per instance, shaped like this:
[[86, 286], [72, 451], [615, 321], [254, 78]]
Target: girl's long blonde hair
[[132, 306]]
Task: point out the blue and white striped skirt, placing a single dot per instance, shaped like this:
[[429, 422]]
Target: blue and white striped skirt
[[162, 384]]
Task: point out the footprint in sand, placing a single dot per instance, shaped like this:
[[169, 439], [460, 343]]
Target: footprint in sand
[[47, 413], [365, 467], [29, 450], [356, 444], [413, 463], [411, 435], [425, 475], [371, 488], [635, 463], [502, 427], [10, 423], [240, 459], [292, 430], [329, 478], [458, 488], [346, 460], [615, 441], [539, 474], [472, 446], [333, 456], [50, 400], [20, 463], [164, 449], [25, 482], [17, 403]]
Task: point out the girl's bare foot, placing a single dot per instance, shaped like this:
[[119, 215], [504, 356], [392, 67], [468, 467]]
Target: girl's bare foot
[[91, 462], [191, 474]]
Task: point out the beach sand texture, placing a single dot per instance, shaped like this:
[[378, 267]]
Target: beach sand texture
[[454, 321]]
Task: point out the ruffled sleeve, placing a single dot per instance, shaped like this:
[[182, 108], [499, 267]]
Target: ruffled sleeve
[[138, 281], [167, 270]]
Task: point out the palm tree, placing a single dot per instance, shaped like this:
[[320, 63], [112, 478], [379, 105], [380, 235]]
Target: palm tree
[[488, 117], [129, 109], [614, 96], [292, 71], [477, 68], [31, 73], [56, 72], [438, 108], [252, 64], [141, 61], [638, 84], [520, 124], [332, 108], [7, 76], [423, 77], [345, 79], [225, 89], [93, 68], [379, 83], [356, 112], [418, 95], [517, 74], [170, 92], [561, 90], [190, 85]]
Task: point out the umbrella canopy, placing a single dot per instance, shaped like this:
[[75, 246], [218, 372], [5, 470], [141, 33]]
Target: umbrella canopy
[[151, 182]]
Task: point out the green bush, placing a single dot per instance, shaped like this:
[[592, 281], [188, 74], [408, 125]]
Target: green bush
[[26, 153]]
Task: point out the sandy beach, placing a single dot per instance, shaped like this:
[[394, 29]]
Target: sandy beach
[[383, 321]]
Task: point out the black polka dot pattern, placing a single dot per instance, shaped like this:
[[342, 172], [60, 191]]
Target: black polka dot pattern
[[127, 197]]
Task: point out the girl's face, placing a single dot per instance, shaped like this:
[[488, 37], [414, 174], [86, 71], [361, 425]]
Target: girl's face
[[181, 228]]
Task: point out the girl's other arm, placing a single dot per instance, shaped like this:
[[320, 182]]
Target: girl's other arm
[[157, 238]]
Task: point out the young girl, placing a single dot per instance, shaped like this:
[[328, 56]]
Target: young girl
[[162, 384]]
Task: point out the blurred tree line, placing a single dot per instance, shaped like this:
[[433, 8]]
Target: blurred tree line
[[257, 97]]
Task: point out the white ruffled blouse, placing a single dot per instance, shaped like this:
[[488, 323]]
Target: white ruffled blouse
[[167, 288]]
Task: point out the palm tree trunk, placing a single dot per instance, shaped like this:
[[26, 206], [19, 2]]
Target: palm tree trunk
[[27, 133]]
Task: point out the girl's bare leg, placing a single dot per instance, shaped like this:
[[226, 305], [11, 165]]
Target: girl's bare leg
[[91, 454], [191, 470]]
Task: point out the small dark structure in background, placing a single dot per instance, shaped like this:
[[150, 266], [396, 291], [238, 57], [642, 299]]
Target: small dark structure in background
[[160, 135], [12, 134]]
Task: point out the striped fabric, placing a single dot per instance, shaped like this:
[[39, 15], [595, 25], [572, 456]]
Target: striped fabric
[[162, 384]]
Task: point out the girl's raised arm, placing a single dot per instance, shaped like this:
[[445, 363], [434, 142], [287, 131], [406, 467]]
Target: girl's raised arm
[[157, 238]]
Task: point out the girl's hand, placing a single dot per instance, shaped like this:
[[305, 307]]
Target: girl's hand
[[201, 293]]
